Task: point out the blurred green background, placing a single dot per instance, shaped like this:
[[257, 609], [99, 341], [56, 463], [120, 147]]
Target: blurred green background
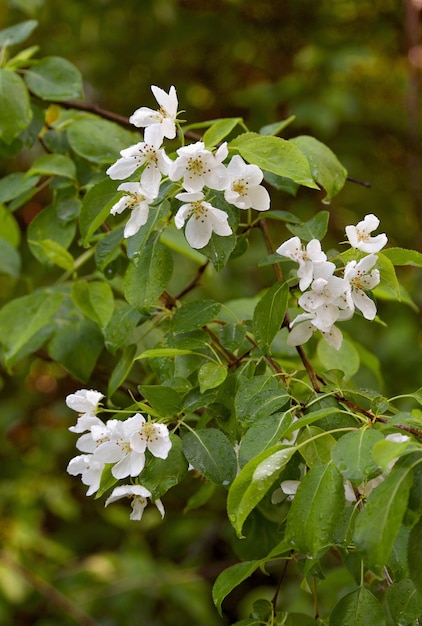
[[349, 70]]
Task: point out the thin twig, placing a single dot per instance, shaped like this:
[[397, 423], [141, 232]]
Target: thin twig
[[194, 282]]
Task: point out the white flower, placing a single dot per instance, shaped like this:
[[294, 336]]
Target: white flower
[[203, 219], [397, 438], [90, 469], [360, 281], [85, 402], [116, 448], [137, 199], [147, 153], [164, 118], [325, 289], [244, 190], [153, 436], [359, 235], [306, 324], [199, 167], [138, 494], [305, 257]]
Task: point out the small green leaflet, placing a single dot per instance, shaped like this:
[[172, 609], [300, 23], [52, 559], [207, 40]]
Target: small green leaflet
[[269, 314]]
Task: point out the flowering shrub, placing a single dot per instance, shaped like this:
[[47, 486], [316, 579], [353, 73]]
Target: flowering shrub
[[315, 463]]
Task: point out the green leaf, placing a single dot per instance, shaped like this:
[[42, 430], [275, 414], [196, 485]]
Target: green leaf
[[162, 352], [276, 127], [231, 578], [326, 169], [193, 315], [414, 556], [385, 451], [346, 358], [122, 369], [263, 435], [160, 475], [95, 300], [148, 274], [54, 252], [358, 608], [99, 140], [404, 602], [253, 482], [315, 451], [10, 260], [108, 248], [9, 228], [316, 510], [275, 155], [210, 452], [315, 228], [107, 481], [219, 130], [201, 497], [379, 522], [77, 346], [389, 281], [47, 227], [54, 165], [211, 375], [16, 184], [54, 78], [402, 256], [25, 324], [17, 33], [96, 207], [16, 112], [352, 454], [258, 397], [165, 400], [121, 326], [269, 314]]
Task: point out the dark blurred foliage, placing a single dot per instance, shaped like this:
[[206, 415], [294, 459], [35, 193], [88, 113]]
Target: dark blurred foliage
[[349, 70]]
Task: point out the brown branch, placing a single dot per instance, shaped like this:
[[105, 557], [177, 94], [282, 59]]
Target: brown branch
[[364, 183], [94, 108], [194, 282]]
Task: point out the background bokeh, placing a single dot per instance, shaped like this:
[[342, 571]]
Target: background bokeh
[[349, 70]]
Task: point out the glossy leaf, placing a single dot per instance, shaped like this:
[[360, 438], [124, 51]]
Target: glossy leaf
[[77, 346], [258, 397], [55, 253], [54, 78], [315, 449], [147, 276], [54, 165], [193, 315], [165, 400], [326, 169], [219, 131], [160, 475], [352, 454], [210, 452], [94, 299], [10, 260], [379, 522], [46, 227], [404, 602], [253, 482], [17, 33], [316, 510], [315, 228], [269, 314], [16, 112], [25, 324], [211, 375], [14, 185], [96, 207], [358, 608], [402, 256], [121, 370], [99, 140], [275, 155], [231, 578], [346, 358], [414, 555], [264, 434]]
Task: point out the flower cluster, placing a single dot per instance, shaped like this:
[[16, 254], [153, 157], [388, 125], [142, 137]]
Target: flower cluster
[[328, 298], [199, 170], [121, 443]]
